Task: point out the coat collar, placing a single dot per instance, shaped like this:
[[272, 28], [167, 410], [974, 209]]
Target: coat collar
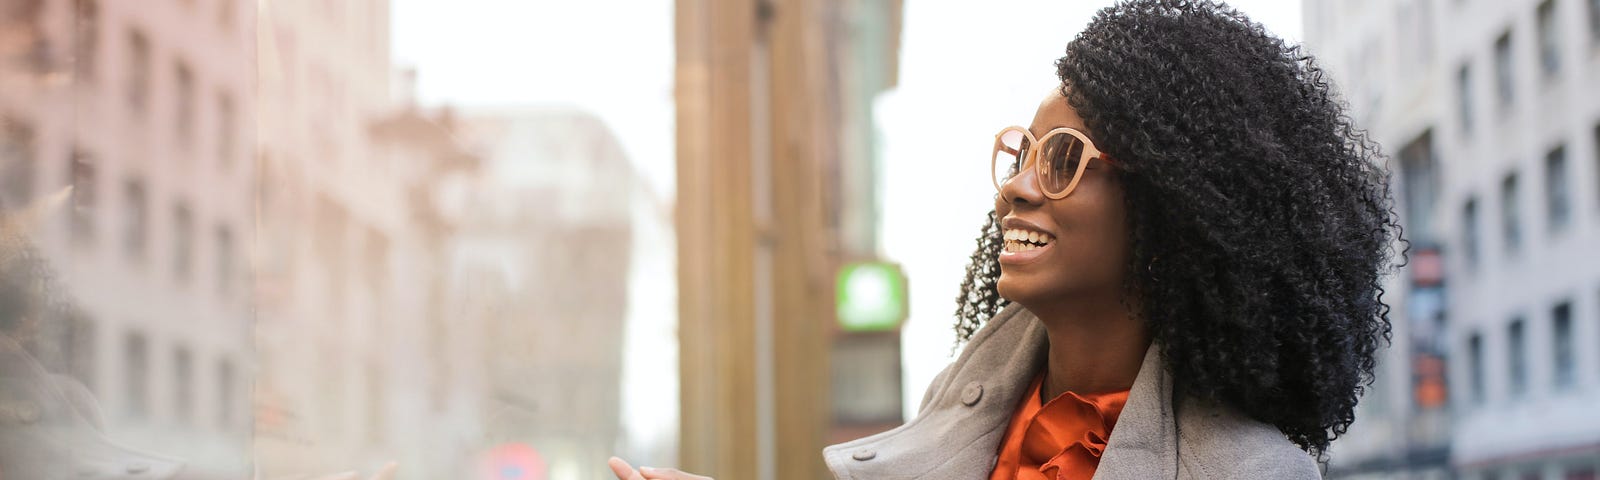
[[1144, 444], [966, 410]]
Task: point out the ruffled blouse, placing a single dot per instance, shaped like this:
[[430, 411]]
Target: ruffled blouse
[[1059, 440]]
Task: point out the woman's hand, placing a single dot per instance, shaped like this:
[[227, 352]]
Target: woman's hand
[[626, 472]]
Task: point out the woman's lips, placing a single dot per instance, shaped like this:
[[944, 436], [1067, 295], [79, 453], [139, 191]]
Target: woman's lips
[[1022, 255], [1023, 242]]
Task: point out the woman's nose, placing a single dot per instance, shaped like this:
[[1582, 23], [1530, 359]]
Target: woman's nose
[[1022, 188]]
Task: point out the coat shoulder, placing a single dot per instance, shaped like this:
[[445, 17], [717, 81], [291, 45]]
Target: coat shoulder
[[1219, 442]]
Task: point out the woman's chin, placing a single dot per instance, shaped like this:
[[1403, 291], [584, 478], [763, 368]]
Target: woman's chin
[[1013, 289]]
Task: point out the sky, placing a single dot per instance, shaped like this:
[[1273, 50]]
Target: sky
[[615, 59], [612, 58]]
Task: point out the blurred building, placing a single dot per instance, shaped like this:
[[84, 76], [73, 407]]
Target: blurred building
[[146, 110], [776, 190], [359, 358], [545, 246], [1490, 112]]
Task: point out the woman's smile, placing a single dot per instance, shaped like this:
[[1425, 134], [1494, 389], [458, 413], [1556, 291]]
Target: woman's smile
[[1025, 242]]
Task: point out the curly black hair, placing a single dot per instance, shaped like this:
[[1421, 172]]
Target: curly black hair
[[1261, 220]]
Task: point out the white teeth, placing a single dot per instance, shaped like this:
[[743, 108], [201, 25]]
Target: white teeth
[[1018, 240]]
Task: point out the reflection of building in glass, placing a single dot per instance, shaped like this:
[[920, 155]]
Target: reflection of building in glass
[[358, 358], [1491, 112], [544, 254], [144, 110]]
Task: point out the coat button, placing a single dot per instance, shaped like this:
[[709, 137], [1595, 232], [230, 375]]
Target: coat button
[[864, 455], [971, 393]]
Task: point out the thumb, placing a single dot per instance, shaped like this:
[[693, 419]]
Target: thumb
[[669, 474], [622, 470]]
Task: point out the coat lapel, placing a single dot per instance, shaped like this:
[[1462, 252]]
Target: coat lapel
[[970, 404], [1144, 443]]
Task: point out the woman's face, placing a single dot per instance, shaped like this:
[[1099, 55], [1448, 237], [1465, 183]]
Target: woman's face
[[1086, 235]]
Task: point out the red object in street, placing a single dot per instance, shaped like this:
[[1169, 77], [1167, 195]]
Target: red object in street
[[513, 461]]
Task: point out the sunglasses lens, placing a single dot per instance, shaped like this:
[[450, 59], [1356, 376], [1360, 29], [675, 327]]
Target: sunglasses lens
[[1059, 158], [1009, 153]]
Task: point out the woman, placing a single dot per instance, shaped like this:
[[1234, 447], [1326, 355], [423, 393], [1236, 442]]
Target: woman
[[1181, 276]]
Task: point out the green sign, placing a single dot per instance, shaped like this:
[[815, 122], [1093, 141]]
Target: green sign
[[871, 296]]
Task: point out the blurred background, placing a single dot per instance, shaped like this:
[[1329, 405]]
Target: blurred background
[[505, 240]]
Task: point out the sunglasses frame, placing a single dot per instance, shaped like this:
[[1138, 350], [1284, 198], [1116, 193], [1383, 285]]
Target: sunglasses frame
[[1090, 153]]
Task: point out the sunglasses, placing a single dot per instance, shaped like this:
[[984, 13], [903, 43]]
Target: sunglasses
[[1059, 158]]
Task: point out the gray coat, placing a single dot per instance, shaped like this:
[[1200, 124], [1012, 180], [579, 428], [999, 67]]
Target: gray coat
[[967, 407]]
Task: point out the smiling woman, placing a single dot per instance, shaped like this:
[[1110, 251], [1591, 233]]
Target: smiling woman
[[1180, 277], [1242, 232], [1205, 293]]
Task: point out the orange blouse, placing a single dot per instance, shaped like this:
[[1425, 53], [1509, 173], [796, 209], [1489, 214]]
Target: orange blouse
[[1060, 440]]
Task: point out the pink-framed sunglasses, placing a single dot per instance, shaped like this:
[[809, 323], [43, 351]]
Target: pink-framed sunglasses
[[1059, 161]]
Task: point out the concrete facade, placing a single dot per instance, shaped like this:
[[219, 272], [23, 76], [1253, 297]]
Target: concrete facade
[[1489, 112]]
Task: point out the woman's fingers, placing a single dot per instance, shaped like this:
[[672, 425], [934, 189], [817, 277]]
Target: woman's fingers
[[669, 474], [622, 470]]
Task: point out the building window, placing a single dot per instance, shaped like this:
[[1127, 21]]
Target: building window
[[17, 163], [135, 233], [1416, 22], [329, 228], [226, 136], [1510, 216], [182, 385], [1558, 196], [1469, 232], [27, 40], [1504, 70], [182, 242], [138, 71], [84, 191], [1594, 20], [183, 85], [1561, 327], [88, 38], [1421, 184], [226, 11], [225, 389], [1549, 39], [1518, 356], [224, 238], [1464, 96], [1475, 368], [136, 374]]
